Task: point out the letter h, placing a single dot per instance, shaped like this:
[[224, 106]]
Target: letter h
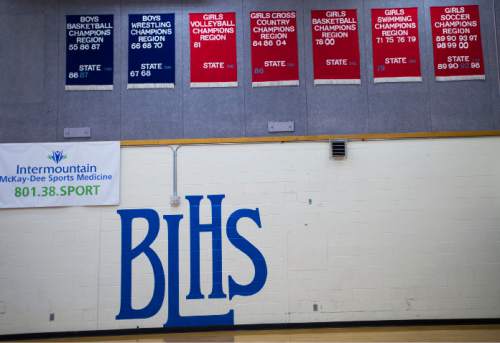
[[215, 228]]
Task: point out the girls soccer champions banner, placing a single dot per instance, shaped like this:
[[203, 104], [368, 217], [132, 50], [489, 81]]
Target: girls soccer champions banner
[[213, 50], [396, 51], [335, 40], [456, 37], [275, 59]]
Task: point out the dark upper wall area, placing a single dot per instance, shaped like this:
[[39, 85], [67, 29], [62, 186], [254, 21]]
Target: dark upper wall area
[[35, 107]]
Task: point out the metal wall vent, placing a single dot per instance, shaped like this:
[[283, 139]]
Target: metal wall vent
[[339, 150]]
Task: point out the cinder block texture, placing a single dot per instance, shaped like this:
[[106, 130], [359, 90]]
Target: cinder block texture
[[398, 230], [35, 107]]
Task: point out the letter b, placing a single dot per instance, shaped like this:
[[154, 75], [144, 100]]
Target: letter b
[[129, 254]]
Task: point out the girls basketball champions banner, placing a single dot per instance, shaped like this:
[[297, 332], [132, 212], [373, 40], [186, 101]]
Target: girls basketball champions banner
[[213, 50], [59, 174], [396, 52], [335, 40], [456, 37], [275, 59]]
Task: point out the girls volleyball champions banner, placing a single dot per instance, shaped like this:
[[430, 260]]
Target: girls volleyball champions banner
[[213, 50]]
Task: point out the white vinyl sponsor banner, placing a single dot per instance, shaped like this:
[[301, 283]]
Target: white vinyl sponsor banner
[[59, 174]]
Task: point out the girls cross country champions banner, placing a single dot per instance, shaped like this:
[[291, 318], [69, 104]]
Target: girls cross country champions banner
[[59, 174]]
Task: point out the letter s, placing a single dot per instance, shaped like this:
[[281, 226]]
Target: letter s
[[248, 249]]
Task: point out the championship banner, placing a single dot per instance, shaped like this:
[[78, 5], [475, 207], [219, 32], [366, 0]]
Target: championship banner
[[89, 52], [213, 50], [396, 51], [59, 174], [275, 59], [456, 37], [335, 40], [151, 51]]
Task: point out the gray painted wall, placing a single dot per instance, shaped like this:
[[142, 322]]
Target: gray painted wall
[[496, 92], [35, 107]]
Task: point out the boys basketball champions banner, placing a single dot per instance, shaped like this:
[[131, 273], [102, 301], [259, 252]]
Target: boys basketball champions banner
[[213, 49], [89, 52], [396, 51], [151, 51], [456, 37], [275, 60], [59, 174], [336, 47]]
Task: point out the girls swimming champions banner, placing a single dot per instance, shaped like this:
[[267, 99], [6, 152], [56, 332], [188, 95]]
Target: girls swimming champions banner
[[213, 50], [396, 51], [275, 60], [59, 174], [456, 37], [335, 40], [151, 51]]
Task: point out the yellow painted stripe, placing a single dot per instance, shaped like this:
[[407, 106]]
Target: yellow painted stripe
[[282, 139]]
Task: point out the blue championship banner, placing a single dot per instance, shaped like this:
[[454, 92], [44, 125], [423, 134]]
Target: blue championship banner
[[151, 51], [89, 52]]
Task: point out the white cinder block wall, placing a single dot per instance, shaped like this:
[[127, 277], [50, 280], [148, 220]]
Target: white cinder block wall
[[399, 230]]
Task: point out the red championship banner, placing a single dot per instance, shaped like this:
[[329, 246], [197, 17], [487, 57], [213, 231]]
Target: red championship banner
[[396, 51], [213, 50], [335, 40], [456, 36], [275, 59]]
